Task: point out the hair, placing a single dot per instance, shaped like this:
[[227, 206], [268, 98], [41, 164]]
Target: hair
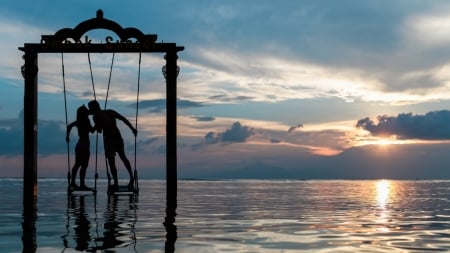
[[82, 113]]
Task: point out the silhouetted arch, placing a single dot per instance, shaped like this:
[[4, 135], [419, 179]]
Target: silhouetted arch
[[99, 23]]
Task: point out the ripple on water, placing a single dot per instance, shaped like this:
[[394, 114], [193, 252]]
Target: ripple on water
[[239, 216]]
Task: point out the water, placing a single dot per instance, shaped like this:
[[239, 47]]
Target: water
[[235, 216]]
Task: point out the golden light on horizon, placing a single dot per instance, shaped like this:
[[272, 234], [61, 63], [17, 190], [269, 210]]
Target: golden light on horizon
[[384, 141]]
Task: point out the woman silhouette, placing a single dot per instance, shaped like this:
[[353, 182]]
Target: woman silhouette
[[82, 148]]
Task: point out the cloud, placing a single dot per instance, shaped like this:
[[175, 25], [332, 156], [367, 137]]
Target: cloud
[[237, 133], [274, 140], [293, 128], [51, 136], [149, 141], [159, 105], [434, 125], [230, 99], [203, 118]]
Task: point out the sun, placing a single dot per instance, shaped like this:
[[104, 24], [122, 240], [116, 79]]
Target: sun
[[386, 142], [383, 141]]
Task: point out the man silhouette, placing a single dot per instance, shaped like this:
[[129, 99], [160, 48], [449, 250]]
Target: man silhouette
[[106, 121]]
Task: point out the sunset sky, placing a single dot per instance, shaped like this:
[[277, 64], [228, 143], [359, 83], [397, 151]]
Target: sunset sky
[[267, 89]]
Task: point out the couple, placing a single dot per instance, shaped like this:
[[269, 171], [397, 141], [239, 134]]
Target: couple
[[105, 121]]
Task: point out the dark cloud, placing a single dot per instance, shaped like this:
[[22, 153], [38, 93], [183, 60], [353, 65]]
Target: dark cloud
[[11, 137], [434, 125], [51, 136], [237, 133], [228, 99], [203, 118], [149, 141], [292, 128], [212, 137], [159, 105], [273, 140]]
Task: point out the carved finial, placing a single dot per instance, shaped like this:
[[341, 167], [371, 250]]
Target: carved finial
[[99, 13]]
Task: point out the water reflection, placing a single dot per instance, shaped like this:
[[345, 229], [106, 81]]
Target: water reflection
[[88, 230], [81, 224], [383, 188], [171, 229], [29, 230], [120, 220], [244, 216], [383, 195]]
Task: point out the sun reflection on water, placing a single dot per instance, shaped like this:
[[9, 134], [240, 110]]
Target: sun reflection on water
[[383, 194], [383, 188]]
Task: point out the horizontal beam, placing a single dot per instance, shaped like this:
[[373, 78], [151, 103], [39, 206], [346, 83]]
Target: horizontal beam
[[119, 47]]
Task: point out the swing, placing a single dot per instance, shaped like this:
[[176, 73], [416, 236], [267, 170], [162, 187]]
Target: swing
[[111, 190]]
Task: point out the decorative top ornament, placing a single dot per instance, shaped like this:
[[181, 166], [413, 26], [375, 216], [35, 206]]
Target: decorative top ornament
[[74, 35]]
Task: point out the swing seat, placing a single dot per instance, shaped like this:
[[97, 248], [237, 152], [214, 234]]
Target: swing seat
[[71, 189], [122, 189]]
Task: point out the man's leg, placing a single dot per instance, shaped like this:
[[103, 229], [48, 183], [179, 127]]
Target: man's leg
[[127, 164], [113, 169]]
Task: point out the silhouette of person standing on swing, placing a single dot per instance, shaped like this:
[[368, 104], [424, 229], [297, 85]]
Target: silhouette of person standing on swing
[[106, 121], [82, 148]]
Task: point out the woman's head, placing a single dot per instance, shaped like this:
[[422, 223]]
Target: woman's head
[[82, 112]]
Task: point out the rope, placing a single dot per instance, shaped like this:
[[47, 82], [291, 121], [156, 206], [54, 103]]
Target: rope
[[92, 76], [109, 80], [136, 124], [106, 102], [96, 139], [65, 110]]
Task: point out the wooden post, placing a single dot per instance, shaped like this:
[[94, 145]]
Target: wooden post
[[170, 73], [30, 74], [171, 132]]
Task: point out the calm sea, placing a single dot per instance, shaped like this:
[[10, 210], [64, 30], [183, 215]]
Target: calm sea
[[234, 216]]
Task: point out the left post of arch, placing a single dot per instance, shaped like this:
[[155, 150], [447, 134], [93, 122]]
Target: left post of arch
[[30, 74]]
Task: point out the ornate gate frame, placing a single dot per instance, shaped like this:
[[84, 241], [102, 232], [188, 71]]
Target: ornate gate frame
[[69, 40]]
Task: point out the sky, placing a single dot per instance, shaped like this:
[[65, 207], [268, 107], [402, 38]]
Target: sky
[[288, 89]]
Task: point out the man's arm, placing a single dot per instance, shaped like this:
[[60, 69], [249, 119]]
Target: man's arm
[[125, 120]]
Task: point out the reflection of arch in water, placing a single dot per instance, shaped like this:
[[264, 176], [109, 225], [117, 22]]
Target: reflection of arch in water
[[119, 223], [171, 229]]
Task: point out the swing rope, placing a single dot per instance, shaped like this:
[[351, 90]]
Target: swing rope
[[109, 80], [65, 110], [106, 101], [92, 76], [105, 106], [136, 125], [96, 137]]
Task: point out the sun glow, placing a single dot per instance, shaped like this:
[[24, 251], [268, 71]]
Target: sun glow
[[383, 142], [386, 142]]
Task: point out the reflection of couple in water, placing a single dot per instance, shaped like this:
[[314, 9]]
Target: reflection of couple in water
[[90, 236], [105, 122]]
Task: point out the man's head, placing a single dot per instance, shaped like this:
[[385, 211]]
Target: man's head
[[93, 106]]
